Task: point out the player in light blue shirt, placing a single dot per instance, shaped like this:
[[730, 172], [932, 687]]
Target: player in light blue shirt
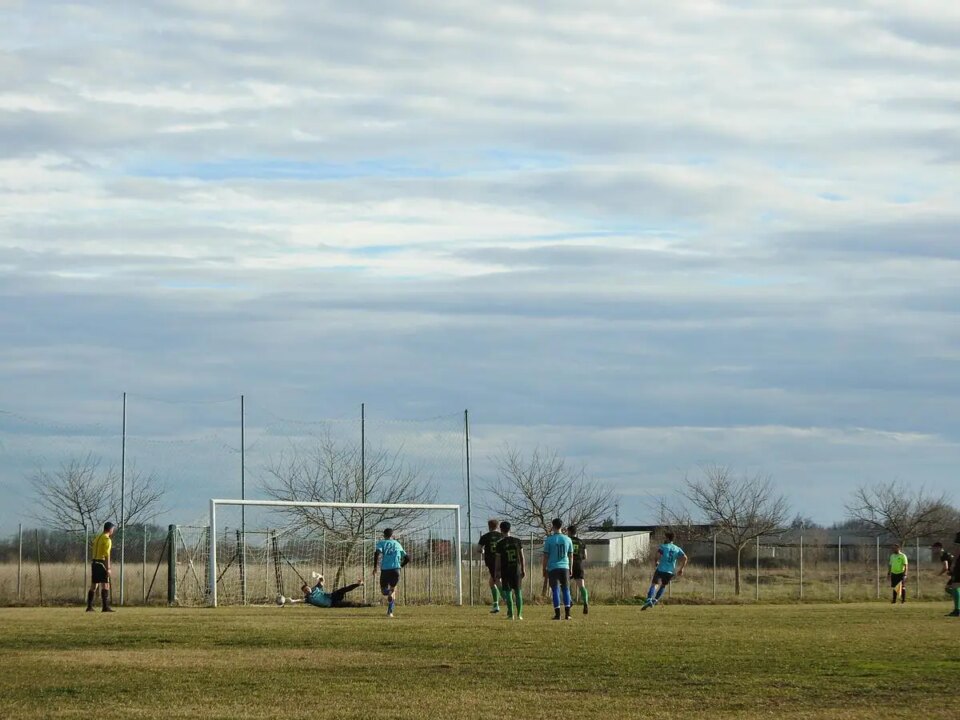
[[668, 555], [389, 557], [557, 558], [319, 597]]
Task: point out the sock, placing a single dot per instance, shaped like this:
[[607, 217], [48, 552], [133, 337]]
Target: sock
[[660, 591], [956, 598], [555, 591], [390, 604], [520, 601], [508, 599], [585, 596], [567, 602], [496, 596], [105, 596], [90, 599], [651, 591]]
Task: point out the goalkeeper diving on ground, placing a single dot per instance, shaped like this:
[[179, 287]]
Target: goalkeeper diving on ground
[[318, 596]]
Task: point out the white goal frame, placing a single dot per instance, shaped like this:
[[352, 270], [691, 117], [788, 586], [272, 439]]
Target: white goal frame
[[214, 502]]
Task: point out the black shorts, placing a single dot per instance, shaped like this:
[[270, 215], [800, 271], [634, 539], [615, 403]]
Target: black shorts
[[389, 579], [577, 573], [98, 572], [559, 577], [896, 579], [491, 567], [511, 579], [663, 577]]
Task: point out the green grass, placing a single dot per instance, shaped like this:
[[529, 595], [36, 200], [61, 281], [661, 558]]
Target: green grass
[[839, 662]]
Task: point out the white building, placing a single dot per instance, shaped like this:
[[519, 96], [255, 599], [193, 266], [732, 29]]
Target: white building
[[612, 548]]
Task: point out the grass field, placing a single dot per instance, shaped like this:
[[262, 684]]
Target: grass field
[[818, 661]]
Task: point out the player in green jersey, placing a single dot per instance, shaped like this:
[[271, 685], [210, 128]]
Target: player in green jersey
[[511, 569]]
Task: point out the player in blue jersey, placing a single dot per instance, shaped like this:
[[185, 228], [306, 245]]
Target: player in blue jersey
[[388, 558], [318, 596], [557, 558], [668, 555]]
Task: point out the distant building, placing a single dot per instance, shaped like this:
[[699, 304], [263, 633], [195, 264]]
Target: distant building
[[605, 547]]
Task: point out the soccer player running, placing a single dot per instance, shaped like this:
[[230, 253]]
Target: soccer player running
[[557, 558], [319, 597], [668, 554], [388, 558], [511, 569], [579, 557], [897, 565], [488, 549], [100, 568]]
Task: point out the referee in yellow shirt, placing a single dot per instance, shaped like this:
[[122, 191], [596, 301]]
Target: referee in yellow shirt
[[100, 567], [898, 565]]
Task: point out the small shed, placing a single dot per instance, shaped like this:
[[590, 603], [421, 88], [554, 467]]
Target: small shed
[[612, 548]]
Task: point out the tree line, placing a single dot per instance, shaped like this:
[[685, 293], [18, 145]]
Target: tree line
[[527, 487]]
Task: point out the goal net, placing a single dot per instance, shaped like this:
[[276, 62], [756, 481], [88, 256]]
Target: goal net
[[257, 550]]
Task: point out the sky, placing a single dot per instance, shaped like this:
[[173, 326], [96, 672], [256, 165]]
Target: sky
[[649, 236]]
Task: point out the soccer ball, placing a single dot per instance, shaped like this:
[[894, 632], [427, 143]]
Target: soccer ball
[[281, 600]]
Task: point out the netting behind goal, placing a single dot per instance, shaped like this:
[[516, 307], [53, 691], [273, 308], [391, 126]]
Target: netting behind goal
[[265, 549]]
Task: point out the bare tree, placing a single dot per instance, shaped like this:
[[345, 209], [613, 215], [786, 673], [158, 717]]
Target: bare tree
[[738, 510], [894, 509], [328, 471], [80, 496], [532, 490], [73, 497], [143, 496]]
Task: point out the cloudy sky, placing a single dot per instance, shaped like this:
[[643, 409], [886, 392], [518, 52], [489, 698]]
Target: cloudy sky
[[648, 235]]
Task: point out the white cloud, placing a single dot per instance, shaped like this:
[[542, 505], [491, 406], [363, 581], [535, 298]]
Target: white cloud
[[706, 230]]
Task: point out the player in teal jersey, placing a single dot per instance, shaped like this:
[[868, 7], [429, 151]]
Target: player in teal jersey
[[389, 557], [319, 597], [668, 555], [557, 558]]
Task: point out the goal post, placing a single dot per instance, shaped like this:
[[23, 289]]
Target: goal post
[[302, 536]]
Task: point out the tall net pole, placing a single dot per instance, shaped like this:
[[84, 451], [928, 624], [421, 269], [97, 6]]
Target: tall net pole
[[243, 510], [123, 469], [466, 433], [363, 494]]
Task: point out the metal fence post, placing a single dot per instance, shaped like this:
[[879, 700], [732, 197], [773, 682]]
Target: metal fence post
[[20, 562], [171, 564], [839, 567], [623, 570], [36, 537], [714, 566], [918, 567], [143, 572], [801, 567], [878, 567], [758, 569], [530, 568]]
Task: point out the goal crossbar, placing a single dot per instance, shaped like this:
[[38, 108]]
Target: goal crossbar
[[356, 506]]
